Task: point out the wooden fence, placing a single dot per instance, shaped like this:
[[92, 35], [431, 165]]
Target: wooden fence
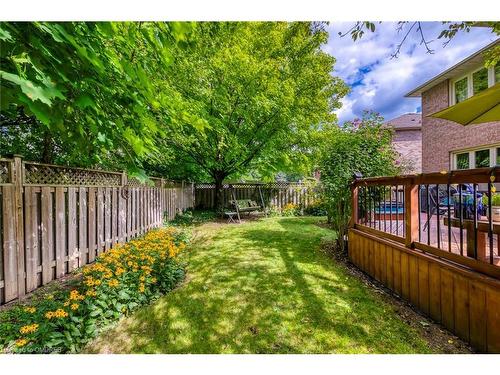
[[276, 194], [54, 219], [420, 240]]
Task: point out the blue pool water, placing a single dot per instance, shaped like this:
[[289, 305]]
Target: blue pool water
[[387, 209]]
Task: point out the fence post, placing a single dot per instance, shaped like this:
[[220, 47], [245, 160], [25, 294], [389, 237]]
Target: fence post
[[354, 205], [411, 213], [17, 180]]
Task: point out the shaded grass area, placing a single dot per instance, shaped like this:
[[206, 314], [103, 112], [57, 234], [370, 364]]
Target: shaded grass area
[[263, 287]]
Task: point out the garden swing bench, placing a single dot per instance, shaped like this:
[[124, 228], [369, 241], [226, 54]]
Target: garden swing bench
[[243, 205]]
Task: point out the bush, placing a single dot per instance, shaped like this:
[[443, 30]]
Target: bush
[[190, 217], [495, 199], [290, 209], [121, 280], [360, 146], [316, 208]]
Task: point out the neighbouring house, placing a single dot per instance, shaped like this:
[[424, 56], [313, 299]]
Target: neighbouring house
[[447, 145], [407, 141]]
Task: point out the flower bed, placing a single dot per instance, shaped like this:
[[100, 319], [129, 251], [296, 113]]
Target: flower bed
[[121, 280]]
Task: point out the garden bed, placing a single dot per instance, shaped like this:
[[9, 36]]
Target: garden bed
[[64, 316]]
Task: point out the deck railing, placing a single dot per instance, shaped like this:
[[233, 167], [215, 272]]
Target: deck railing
[[450, 215]]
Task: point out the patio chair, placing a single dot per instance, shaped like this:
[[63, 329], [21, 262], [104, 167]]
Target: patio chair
[[439, 201]]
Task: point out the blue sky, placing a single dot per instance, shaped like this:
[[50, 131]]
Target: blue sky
[[378, 82]]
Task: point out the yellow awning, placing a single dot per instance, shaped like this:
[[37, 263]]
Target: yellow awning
[[482, 107]]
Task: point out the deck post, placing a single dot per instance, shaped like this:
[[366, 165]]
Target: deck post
[[411, 213], [354, 205]]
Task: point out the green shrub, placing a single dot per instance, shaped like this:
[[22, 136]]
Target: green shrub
[[495, 199], [121, 280], [190, 217], [316, 208]]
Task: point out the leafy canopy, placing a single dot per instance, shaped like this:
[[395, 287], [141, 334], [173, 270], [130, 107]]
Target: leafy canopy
[[89, 85], [360, 146], [259, 92]]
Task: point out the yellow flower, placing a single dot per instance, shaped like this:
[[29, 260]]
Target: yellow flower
[[66, 303], [113, 283], [91, 293], [74, 306], [153, 280], [97, 282], [60, 313], [28, 329], [74, 294], [142, 278], [49, 314], [21, 342], [141, 288], [30, 310]]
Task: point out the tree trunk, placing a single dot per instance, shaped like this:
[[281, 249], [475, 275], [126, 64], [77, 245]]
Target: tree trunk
[[219, 192], [48, 149]]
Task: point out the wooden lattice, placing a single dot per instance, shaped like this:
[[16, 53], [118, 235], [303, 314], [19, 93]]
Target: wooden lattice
[[243, 185], [44, 174], [134, 182], [4, 172]]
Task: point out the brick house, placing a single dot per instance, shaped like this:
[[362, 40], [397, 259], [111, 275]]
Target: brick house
[[447, 145], [407, 140]]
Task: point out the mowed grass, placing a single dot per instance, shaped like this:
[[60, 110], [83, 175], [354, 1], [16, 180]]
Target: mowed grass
[[263, 287]]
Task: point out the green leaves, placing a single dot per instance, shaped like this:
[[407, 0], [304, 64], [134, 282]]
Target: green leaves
[[250, 97], [91, 84], [31, 90]]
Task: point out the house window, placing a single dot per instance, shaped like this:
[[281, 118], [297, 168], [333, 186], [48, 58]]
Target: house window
[[461, 90], [479, 81], [462, 161], [473, 83], [481, 157]]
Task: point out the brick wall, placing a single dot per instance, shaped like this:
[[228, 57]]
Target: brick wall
[[408, 143], [441, 137]]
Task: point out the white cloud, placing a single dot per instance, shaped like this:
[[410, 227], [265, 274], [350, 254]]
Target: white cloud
[[378, 81]]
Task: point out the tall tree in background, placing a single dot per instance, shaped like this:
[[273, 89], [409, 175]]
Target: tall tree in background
[[359, 146], [259, 92]]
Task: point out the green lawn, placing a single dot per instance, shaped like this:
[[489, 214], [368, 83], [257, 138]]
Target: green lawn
[[263, 287]]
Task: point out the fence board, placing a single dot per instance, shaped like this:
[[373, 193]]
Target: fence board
[[107, 219], [100, 221], [493, 319], [72, 245], [60, 232], [461, 303], [82, 227], [478, 323], [91, 224], [31, 238], [47, 235], [434, 292], [114, 217], [9, 244]]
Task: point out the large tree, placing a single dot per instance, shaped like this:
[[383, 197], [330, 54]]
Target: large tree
[[258, 92], [83, 91]]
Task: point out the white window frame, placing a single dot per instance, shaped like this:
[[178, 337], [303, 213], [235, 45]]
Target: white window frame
[[491, 82], [472, 155]]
